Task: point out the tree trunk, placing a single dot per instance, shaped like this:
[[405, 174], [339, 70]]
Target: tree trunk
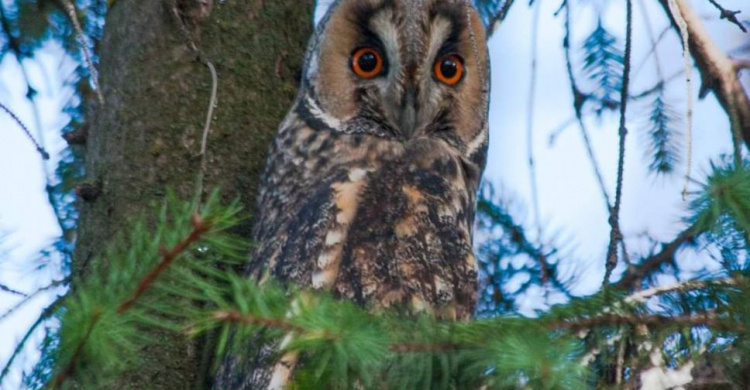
[[147, 135]]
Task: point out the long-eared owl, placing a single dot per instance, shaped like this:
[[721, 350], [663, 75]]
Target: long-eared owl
[[369, 188]]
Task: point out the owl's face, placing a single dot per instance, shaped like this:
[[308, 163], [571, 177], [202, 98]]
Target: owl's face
[[402, 69]]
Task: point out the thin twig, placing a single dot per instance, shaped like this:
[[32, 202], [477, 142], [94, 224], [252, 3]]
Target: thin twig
[[650, 320], [615, 235], [167, 257], [530, 128], [26, 131], [46, 313], [12, 291], [654, 42], [207, 128], [579, 98], [31, 296], [643, 295], [674, 9], [233, 316], [87, 57], [730, 16]]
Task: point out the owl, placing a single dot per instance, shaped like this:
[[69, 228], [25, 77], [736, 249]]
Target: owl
[[369, 187]]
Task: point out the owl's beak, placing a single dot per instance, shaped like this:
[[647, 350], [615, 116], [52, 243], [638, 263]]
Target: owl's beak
[[407, 116]]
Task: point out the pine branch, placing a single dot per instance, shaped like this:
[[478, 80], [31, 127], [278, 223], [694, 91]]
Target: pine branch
[[200, 227], [70, 367], [234, 316]]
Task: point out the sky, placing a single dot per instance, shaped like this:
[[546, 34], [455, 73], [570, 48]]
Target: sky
[[570, 203]]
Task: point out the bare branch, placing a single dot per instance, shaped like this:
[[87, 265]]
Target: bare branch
[[634, 274], [615, 236], [642, 296], [731, 16], [26, 131], [46, 313], [718, 72]]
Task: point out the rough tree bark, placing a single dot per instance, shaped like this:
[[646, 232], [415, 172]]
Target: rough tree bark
[[147, 136]]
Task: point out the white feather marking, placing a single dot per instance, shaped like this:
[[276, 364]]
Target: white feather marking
[[478, 141], [329, 120]]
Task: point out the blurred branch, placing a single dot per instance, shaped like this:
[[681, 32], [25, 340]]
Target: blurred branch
[[31, 296], [46, 313], [530, 123], [70, 10], [12, 291], [498, 18], [579, 98], [634, 274], [718, 71], [643, 295], [707, 319]]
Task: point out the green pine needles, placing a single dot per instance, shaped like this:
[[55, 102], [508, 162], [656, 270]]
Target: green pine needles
[[175, 275]]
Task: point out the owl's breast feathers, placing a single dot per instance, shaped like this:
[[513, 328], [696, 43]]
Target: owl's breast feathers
[[375, 220]]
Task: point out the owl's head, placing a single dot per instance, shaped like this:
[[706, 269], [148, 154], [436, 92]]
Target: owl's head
[[401, 69]]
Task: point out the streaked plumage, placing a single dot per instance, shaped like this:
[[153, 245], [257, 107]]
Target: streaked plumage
[[369, 189]]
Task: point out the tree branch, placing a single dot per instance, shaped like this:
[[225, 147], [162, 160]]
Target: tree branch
[[718, 71], [199, 228], [634, 274]]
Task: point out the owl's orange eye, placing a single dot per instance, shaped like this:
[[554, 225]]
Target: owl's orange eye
[[367, 62], [449, 69]]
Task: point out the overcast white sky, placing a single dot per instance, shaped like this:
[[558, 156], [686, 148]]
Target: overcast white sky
[[569, 199]]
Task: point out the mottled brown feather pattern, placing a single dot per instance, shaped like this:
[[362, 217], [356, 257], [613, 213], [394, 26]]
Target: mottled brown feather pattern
[[369, 188]]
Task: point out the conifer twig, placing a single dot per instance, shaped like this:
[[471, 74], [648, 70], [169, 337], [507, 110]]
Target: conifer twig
[[167, 257], [234, 316], [614, 218], [70, 368]]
